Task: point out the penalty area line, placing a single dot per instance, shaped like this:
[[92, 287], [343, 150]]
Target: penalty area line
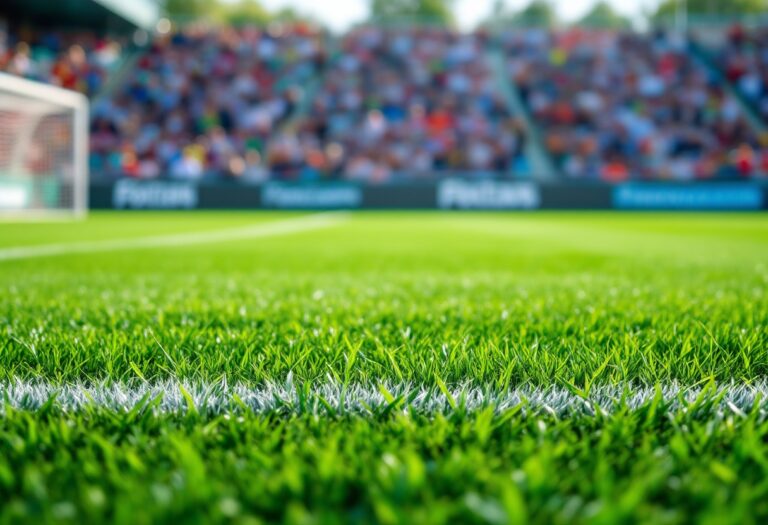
[[220, 398], [270, 229]]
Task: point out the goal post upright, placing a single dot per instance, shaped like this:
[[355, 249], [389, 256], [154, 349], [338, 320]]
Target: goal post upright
[[81, 147]]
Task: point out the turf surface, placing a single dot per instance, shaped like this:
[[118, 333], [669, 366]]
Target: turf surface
[[340, 325]]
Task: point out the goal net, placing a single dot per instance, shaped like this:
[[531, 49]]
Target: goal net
[[43, 149]]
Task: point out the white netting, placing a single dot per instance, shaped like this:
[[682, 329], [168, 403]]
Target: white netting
[[42, 148]]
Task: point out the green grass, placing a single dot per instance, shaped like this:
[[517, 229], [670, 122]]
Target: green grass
[[438, 302]]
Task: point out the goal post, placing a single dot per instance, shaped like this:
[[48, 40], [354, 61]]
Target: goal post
[[43, 150]]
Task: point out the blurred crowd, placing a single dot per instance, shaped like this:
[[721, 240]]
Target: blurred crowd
[[380, 105], [618, 106], [744, 60], [408, 103], [79, 61], [206, 101], [391, 104]]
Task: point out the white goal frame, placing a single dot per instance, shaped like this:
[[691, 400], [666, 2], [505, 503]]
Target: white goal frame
[[42, 100]]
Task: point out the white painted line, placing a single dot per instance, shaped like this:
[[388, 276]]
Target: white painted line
[[218, 398], [268, 229]]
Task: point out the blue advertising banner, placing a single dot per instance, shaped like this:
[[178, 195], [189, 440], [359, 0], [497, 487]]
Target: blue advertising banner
[[456, 194], [311, 196], [714, 196]]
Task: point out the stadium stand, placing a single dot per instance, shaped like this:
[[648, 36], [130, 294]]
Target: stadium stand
[[410, 103], [205, 101], [621, 106], [381, 105], [744, 60], [392, 104], [77, 60], [75, 44]]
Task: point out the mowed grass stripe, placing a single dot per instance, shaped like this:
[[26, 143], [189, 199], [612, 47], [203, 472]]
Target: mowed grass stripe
[[269, 229], [336, 398]]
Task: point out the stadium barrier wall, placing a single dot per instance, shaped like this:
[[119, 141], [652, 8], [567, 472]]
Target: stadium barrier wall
[[456, 194]]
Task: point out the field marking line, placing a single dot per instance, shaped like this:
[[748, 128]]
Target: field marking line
[[173, 395], [268, 229]]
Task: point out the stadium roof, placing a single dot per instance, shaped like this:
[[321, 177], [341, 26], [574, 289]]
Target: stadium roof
[[106, 14], [143, 13]]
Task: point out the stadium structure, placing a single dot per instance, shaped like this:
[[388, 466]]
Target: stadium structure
[[270, 311], [200, 115]]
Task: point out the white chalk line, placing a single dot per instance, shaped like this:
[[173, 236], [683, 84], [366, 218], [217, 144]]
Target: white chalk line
[[172, 396], [268, 229]]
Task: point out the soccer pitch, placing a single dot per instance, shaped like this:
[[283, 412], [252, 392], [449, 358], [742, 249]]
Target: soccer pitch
[[385, 368]]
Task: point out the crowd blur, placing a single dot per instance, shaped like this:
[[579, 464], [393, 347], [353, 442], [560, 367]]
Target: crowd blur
[[79, 60], [744, 59], [206, 101], [618, 106], [410, 102], [390, 104], [379, 105]]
